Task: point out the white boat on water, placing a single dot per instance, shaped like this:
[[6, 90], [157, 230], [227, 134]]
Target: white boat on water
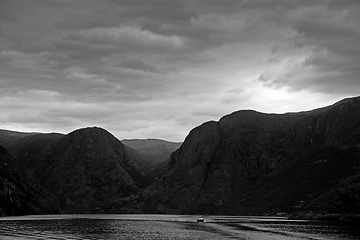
[[200, 219]]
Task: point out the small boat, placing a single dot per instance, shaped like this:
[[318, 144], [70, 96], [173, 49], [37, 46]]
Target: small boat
[[200, 219]]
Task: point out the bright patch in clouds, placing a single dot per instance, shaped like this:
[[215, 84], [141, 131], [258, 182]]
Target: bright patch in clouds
[[157, 69]]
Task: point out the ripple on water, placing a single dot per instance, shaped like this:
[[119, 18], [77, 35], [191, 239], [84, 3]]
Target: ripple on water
[[173, 227], [92, 229]]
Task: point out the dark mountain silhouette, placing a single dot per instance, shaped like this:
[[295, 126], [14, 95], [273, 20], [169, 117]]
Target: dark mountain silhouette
[[88, 169], [246, 163], [42, 152], [19, 193], [256, 163]]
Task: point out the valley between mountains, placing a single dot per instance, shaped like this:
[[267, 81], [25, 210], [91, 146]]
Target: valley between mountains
[[295, 164]]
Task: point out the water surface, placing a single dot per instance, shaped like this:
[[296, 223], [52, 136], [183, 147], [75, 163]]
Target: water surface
[[142, 226]]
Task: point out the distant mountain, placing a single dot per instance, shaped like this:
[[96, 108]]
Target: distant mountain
[[19, 193], [156, 150], [246, 163], [88, 169], [143, 163], [255, 163]]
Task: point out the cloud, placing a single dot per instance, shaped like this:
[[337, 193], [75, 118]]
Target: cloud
[[160, 68], [139, 64], [318, 71], [234, 95], [125, 37], [25, 61], [324, 51]]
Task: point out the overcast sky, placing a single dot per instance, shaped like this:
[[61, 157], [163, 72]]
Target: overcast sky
[[158, 68]]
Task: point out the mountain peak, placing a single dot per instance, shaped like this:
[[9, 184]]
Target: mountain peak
[[88, 169], [90, 131]]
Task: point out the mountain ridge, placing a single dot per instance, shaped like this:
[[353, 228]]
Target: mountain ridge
[[219, 162], [247, 162]]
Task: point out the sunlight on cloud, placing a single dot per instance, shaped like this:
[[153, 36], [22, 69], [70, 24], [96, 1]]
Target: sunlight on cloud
[[126, 35]]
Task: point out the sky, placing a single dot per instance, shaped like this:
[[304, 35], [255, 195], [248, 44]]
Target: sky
[[159, 68]]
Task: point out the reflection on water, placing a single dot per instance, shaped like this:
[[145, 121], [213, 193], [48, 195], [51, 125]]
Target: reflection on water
[[303, 229], [80, 229], [167, 227], [92, 229], [328, 229]]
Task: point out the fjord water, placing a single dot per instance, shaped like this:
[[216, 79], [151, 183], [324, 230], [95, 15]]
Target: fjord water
[[143, 226]]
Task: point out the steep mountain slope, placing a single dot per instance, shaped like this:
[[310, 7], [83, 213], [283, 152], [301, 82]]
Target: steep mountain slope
[[19, 194], [345, 197], [156, 150], [143, 163], [88, 169], [251, 162]]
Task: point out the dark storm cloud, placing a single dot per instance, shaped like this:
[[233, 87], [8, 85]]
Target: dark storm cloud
[[174, 63]]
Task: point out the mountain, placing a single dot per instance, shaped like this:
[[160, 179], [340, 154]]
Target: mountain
[[19, 193], [151, 155], [345, 197], [88, 170], [156, 152], [246, 163], [143, 162], [7, 137], [255, 163], [27, 146]]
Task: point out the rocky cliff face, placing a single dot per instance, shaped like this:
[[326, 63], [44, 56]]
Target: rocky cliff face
[[19, 193], [250, 162], [88, 169]]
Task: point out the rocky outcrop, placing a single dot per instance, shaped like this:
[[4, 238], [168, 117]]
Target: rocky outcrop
[[19, 193], [88, 169], [251, 162]]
